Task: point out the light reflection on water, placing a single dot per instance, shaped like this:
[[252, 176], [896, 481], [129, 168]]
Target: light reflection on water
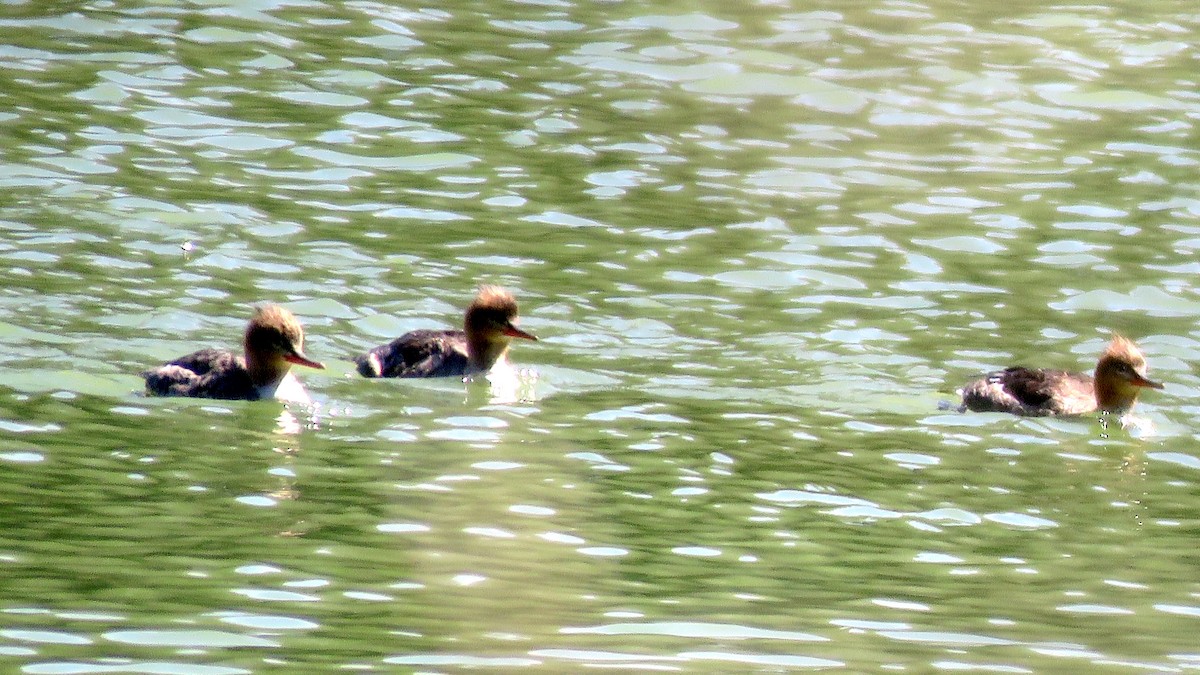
[[760, 244]]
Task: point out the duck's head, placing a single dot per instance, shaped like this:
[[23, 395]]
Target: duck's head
[[274, 340], [491, 324], [1121, 375]]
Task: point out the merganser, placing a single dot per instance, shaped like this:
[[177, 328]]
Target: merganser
[[274, 341], [489, 326], [1119, 378]]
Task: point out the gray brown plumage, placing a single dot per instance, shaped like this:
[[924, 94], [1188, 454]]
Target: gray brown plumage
[[489, 326], [274, 340], [1119, 377]]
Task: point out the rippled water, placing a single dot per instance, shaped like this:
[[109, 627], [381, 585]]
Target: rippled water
[[759, 243]]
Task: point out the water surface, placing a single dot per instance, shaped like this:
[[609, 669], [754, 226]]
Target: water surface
[[759, 243]]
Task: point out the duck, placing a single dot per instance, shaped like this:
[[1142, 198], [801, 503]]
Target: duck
[[274, 341], [1119, 378], [489, 326]]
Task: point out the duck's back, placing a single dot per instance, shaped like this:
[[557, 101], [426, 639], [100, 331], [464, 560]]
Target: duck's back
[[419, 353], [208, 373], [1032, 392]]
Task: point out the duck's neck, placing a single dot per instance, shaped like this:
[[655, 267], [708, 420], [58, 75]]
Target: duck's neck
[[482, 353], [266, 370], [287, 389], [1114, 394]]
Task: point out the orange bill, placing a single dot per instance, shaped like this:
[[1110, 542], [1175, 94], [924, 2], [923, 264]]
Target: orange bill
[[302, 360], [1139, 381], [512, 331]]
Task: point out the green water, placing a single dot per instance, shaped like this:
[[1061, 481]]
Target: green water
[[759, 242]]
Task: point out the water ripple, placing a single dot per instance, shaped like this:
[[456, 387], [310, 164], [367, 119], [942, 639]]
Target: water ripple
[[693, 630]]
